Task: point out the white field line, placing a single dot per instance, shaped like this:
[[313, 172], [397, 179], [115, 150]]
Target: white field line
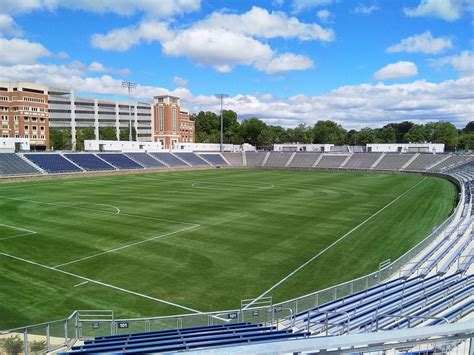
[[103, 211], [331, 245], [125, 246], [81, 283], [28, 232], [117, 210], [101, 283]]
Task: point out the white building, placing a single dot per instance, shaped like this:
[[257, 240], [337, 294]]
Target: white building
[[11, 145], [405, 148], [67, 111], [302, 147]]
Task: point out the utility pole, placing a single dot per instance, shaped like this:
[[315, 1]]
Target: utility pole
[[129, 86], [222, 97]]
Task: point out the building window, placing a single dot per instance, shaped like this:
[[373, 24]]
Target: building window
[[27, 128], [161, 118], [173, 119]]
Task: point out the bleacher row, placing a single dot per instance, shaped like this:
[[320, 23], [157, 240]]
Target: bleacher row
[[186, 339], [52, 163], [391, 305], [356, 161]]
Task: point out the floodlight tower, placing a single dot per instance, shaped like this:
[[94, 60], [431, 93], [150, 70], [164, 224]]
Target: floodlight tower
[[129, 86], [222, 97]]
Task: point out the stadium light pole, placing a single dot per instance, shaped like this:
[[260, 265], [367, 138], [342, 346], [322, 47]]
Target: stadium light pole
[[222, 97], [129, 86]]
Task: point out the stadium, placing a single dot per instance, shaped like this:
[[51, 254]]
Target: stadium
[[237, 252]]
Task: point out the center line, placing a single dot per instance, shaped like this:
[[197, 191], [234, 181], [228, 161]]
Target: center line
[[331, 245]]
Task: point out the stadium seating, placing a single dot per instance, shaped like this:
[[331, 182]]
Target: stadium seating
[[120, 161], [362, 160], [13, 165], [145, 160], [278, 159], [234, 159], [214, 159], [169, 159], [452, 162], [192, 159], [424, 161], [255, 158], [186, 339], [394, 297], [89, 162], [393, 161], [331, 161], [53, 163], [304, 160]]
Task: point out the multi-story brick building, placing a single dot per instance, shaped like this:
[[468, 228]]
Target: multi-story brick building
[[172, 123], [30, 110], [24, 113]]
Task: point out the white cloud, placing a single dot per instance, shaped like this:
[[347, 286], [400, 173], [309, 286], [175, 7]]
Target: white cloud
[[463, 63], [8, 26], [288, 62], [365, 9], [122, 39], [354, 106], [448, 10], [217, 48], [258, 22], [222, 40], [161, 8], [97, 67], [397, 70], [301, 5], [422, 43], [325, 15], [21, 51], [180, 82]]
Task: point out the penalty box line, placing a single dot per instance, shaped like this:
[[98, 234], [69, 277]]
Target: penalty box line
[[331, 245], [28, 232], [116, 288], [126, 246]]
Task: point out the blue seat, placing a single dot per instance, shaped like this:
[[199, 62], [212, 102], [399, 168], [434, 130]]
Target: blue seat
[[53, 163], [120, 161], [146, 160], [169, 159], [12, 164], [89, 162], [192, 159], [214, 159]]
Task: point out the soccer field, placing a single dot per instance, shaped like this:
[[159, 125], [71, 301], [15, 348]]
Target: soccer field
[[181, 242]]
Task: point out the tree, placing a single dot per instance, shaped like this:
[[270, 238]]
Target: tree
[[445, 132], [387, 134], [328, 132], [107, 133], [60, 139], [13, 345], [250, 130], [82, 135], [417, 134], [125, 134], [466, 140], [300, 134], [469, 127], [366, 135]]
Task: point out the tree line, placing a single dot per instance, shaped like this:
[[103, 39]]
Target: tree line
[[256, 132]]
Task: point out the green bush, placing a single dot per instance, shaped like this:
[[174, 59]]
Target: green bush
[[13, 345], [38, 347]]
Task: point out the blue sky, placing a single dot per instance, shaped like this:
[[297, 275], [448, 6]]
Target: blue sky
[[360, 63]]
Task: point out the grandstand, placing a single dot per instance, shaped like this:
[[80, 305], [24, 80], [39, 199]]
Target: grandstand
[[89, 162], [429, 290]]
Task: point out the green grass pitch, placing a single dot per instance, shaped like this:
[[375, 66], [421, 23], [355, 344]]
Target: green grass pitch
[[200, 239]]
